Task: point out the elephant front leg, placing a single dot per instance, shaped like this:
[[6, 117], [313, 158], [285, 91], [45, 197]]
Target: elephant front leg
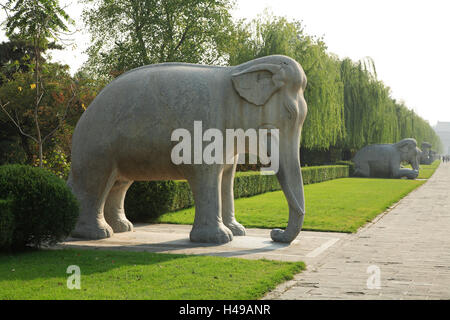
[[228, 200], [408, 173], [362, 169], [208, 226]]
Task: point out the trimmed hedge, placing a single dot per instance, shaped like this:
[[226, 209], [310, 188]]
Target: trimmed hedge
[[146, 201], [350, 164], [44, 209], [6, 223]]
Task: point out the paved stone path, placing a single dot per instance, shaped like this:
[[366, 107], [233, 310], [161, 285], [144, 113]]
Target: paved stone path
[[409, 248]]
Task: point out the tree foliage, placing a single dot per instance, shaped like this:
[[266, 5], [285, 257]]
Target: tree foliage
[[372, 116], [20, 92], [37, 23], [16, 55], [348, 107], [36, 19], [131, 33]]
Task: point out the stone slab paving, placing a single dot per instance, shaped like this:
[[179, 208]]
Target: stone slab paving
[[257, 244], [409, 248]]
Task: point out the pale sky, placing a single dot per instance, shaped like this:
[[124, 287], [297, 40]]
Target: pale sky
[[409, 41]]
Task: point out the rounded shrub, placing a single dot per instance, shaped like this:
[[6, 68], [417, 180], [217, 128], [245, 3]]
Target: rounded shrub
[[43, 207]]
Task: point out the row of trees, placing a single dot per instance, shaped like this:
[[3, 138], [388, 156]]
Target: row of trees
[[41, 102], [348, 107]]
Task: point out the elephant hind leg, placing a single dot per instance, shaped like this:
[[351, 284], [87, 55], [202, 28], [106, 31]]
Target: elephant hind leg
[[362, 169], [228, 217], [114, 207], [91, 187]]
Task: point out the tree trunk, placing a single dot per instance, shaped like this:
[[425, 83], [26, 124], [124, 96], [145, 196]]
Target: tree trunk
[[37, 100]]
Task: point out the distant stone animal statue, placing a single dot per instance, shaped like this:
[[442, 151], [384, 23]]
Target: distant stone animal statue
[[125, 136], [384, 160], [433, 156], [426, 155]]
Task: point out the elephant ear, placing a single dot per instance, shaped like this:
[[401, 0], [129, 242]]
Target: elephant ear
[[258, 83]]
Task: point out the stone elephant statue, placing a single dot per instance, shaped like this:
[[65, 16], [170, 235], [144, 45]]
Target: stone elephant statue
[[384, 160], [125, 136], [425, 156]]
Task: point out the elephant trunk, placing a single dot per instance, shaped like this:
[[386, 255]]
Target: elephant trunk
[[290, 178], [415, 164], [416, 161]]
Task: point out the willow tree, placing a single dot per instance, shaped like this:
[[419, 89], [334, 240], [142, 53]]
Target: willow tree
[[371, 115], [268, 35], [348, 107], [412, 125], [351, 76]]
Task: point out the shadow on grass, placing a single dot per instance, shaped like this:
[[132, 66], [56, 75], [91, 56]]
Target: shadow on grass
[[34, 264]]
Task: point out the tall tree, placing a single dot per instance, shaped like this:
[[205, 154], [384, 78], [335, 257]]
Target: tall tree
[[131, 33], [16, 56], [38, 22]]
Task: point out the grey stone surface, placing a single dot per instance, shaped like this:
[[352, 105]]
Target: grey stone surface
[[125, 135], [384, 160], [426, 157], [410, 245], [256, 244]]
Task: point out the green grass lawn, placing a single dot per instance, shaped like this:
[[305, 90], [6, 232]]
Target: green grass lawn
[[341, 205], [138, 275]]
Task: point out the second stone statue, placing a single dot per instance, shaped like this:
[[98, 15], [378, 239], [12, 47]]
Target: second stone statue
[[384, 160]]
